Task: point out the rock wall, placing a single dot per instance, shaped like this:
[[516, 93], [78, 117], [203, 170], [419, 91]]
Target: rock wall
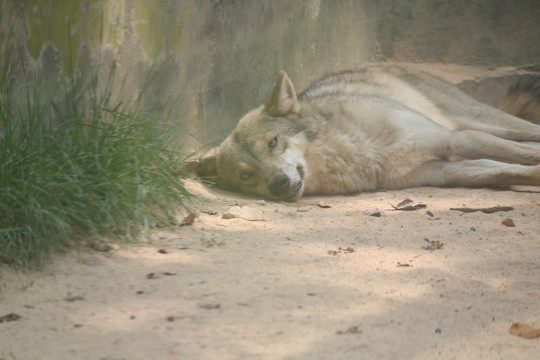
[[212, 60]]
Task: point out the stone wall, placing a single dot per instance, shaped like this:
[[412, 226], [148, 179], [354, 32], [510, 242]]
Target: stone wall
[[212, 60]]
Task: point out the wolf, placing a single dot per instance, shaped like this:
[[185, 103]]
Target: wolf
[[383, 126]]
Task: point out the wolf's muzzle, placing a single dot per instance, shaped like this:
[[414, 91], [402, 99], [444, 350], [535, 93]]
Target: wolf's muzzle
[[280, 187]]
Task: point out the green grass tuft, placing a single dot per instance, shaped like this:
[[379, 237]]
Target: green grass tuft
[[80, 168]]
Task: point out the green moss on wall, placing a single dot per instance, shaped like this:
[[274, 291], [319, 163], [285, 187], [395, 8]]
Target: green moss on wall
[[158, 27], [56, 21]]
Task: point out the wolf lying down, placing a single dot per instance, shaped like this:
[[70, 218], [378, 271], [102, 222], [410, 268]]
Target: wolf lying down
[[381, 127]]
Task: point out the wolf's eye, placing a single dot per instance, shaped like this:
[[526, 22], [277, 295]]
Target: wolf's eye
[[272, 144], [245, 176]]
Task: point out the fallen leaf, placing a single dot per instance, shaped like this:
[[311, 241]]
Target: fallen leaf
[[524, 330], [403, 264], [488, 210], [347, 250], [10, 317], [432, 244], [154, 275], [162, 251], [208, 306], [340, 250], [407, 205], [188, 220], [351, 330], [508, 222], [228, 216]]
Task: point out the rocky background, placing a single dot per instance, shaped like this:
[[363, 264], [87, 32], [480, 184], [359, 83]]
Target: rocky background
[[209, 61]]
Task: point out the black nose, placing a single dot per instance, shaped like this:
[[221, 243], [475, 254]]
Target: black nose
[[279, 185]]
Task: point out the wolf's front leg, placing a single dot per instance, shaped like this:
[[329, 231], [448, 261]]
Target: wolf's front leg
[[477, 173]]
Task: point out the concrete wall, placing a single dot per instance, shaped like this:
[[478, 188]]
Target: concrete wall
[[212, 60]]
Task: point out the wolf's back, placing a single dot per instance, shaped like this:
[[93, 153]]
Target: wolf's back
[[523, 99]]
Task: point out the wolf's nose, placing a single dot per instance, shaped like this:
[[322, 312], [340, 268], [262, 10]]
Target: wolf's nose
[[279, 185]]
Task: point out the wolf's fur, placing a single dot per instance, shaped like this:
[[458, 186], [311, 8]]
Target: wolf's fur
[[381, 127], [523, 99]]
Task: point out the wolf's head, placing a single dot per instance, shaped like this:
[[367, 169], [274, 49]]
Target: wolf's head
[[264, 154]]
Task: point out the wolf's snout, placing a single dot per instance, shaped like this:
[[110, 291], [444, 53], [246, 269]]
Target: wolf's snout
[[279, 185]]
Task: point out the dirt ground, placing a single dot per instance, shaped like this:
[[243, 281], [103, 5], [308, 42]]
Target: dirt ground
[[320, 278]]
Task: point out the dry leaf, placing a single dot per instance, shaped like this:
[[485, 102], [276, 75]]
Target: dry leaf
[[403, 264], [433, 244], [351, 330], [10, 317], [228, 216], [208, 306], [347, 250], [508, 222], [407, 205], [489, 210], [188, 220], [524, 330]]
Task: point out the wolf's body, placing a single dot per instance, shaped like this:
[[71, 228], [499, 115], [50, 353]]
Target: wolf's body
[[381, 127]]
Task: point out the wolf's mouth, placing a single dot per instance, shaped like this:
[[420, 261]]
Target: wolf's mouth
[[295, 192]]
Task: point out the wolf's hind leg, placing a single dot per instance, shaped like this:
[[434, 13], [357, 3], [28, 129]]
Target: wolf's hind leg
[[477, 173], [498, 123], [471, 144]]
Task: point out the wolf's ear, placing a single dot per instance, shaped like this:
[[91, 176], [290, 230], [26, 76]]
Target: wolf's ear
[[282, 99], [206, 166]]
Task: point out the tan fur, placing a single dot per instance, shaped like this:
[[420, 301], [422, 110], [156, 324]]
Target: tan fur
[[523, 99], [381, 127]]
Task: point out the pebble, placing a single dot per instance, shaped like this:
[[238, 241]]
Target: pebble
[[73, 296]]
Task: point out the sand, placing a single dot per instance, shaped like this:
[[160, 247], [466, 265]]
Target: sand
[[314, 279]]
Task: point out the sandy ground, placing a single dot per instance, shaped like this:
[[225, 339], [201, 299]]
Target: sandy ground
[[295, 281]]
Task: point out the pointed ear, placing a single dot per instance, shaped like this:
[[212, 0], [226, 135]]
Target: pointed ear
[[206, 166], [282, 99]]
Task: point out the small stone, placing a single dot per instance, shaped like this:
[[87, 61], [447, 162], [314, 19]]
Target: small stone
[[208, 306], [73, 296], [374, 213]]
